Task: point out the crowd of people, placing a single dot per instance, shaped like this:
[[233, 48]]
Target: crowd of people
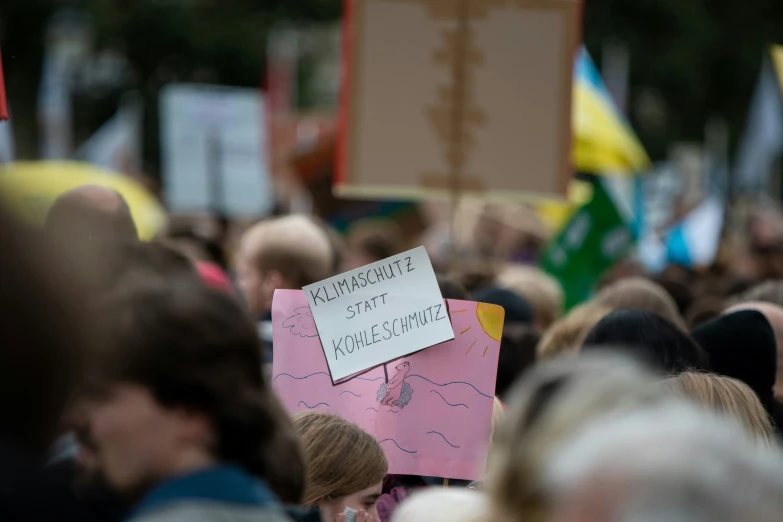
[[137, 388]]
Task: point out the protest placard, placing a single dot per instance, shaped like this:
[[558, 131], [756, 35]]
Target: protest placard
[[377, 313], [432, 417], [475, 99]]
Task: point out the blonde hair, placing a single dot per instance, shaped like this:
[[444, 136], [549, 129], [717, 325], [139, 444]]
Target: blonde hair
[[342, 459], [444, 505], [567, 334], [637, 293], [498, 416], [727, 396], [539, 289], [546, 409], [294, 245]]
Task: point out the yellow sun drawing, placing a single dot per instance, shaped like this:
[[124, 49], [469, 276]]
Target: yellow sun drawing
[[491, 318]]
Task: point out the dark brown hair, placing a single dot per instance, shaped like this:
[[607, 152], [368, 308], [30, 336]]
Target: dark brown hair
[[43, 335], [194, 348]]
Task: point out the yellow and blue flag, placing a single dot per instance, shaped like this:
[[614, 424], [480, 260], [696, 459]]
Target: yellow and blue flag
[[604, 142]]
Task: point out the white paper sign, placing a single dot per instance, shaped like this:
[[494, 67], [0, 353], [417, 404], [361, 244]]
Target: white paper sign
[[379, 312]]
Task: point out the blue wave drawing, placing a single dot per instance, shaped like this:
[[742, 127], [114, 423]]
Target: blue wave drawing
[[311, 407], [444, 438], [299, 378], [447, 402], [352, 393], [391, 411], [398, 446], [366, 379], [448, 383], [371, 409]]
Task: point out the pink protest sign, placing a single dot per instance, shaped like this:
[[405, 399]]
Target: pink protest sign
[[432, 417]]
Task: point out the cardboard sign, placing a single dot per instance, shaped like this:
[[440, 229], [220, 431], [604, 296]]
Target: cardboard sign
[[432, 418], [377, 313], [476, 97]]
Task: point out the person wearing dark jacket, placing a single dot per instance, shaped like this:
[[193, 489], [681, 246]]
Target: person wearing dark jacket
[[742, 345], [184, 424], [43, 333]]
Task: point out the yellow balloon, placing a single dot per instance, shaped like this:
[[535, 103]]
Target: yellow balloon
[[29, 188]]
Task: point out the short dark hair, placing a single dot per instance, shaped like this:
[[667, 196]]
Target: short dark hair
[[193, 347], [43, 334], [517, 354], [650, 337]]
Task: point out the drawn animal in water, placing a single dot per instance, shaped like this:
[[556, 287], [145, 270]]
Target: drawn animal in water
[[394, 387]]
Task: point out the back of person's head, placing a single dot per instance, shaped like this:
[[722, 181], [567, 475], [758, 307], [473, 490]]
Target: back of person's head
[[549, 405], [637, 293], [342, 459], [450, 289], [282, 253], [726, 396], [193, 352], [768, 291], [370, 240], [672, 463], [742, 345], [566, 335], [652, 338], [774, 315], [517, 354], [150, 264], [517, 310], [444, 505], [90, 212], [45, 332], [84, 227], [539, 289]]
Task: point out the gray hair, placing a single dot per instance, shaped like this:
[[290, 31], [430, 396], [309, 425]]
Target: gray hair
[[666, 463], [547, 407]]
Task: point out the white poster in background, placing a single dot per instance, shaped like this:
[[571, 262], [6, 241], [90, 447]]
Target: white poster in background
[[214, 150], [379, 312]]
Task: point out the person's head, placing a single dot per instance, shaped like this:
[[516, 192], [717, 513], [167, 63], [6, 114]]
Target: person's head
[[517, 310], [90, 212], [774, 315], [177, 387], [538, 288], [768, 292], [742, 345], [551, 403], [44, 334], [671, 463], [370, 240], [498, 417], [450, 289], [84, 226], [566, 335], [444, 505], [637, 293], [650, 337], [517, 354], [345, 464], [726, 396], [283, 253]]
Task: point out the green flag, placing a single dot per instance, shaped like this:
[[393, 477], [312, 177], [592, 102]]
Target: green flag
[[594, 239]]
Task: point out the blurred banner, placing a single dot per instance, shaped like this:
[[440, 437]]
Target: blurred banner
[[596, 237], [7, 149], [116, 146], [214, 150], [476, 98], [761, 145], [30, 187], [3, 100]]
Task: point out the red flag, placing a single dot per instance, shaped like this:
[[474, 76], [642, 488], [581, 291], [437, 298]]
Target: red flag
[[3, 102]]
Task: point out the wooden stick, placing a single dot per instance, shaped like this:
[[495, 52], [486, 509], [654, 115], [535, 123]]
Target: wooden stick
[[445, 483], [385, 374]]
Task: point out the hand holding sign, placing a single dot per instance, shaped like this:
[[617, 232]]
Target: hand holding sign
[[378, 313]]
